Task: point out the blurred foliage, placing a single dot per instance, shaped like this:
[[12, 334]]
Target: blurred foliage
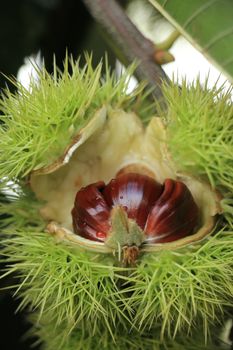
[[206, 24]]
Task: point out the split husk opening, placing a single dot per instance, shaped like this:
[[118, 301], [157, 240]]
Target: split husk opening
[[113, 142]]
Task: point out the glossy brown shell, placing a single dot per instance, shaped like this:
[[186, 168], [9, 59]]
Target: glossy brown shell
[[165, 212]]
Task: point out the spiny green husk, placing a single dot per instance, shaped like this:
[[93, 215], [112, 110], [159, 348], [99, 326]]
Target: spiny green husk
[[174, 291], [200, 123], [39, 124], [167, 293], [72, 289], [51, 338]]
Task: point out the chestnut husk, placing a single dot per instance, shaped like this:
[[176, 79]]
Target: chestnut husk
[[112, 144]]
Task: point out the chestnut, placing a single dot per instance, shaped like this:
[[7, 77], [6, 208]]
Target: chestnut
[[164, 212], [91, 213]]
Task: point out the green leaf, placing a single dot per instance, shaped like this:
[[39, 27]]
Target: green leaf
[[207, 24]]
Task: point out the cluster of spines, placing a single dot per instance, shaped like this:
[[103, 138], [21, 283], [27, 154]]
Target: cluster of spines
[[38, 123], [199, 125]]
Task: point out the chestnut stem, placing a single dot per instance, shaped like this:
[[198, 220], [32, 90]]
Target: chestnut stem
[[132, 44], [124, 231]]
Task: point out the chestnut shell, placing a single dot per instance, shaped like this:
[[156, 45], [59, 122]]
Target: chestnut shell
[[165, 212]]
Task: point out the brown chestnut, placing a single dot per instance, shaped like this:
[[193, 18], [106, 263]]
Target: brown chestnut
[[91, 213], [164, 212], [174, 215]]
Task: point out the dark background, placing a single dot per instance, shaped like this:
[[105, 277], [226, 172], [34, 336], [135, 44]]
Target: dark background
[[48, 26], [51, 27]]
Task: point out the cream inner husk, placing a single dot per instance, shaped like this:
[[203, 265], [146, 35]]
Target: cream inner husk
[[113, 140]]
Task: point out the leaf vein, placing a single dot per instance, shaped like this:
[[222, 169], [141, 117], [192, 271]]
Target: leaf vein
[[201, 9], [218, 37], [227, 62]]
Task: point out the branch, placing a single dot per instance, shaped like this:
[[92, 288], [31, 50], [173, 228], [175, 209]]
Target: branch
[[130, 41]]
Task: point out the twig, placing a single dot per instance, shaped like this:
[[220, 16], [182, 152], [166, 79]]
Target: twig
[[167, 44], [130, 41]]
